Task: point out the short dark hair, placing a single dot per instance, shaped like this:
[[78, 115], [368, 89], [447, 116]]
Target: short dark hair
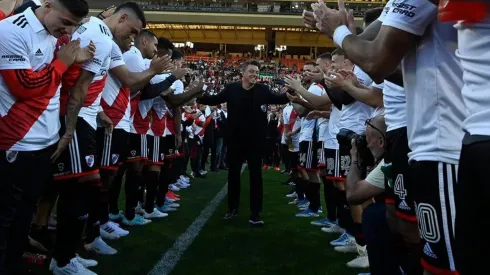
[[165, 44], [79, 8], [311, 63], [326, 55], [134, 7], [250, 63], [371, 15], [176, 54], [141, 34], [338, 51]]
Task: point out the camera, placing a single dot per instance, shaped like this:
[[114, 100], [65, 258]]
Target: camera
[[365, 158]]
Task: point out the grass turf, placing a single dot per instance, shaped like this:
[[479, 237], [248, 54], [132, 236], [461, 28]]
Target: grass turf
[[285, 245]]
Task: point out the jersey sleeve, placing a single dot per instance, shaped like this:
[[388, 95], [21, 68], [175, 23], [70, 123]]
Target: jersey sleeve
[[14, 49], [134, 62], [376, 177], [178, 87], [386, 9], [412, 16], [102, 51], [116, 56], [316, 90], [380, 86]]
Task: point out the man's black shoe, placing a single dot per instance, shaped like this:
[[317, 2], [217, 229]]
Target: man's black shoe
[[230, 214], [255, 220]]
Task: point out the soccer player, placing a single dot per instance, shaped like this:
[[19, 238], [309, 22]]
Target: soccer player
[[308, 161], [434, 117], [112, 147], [31, 72], [78, 168]]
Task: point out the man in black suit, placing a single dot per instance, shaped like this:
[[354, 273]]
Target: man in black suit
[[247, 123]]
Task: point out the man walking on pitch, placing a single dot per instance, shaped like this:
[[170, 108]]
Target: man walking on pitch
[[247, 120]]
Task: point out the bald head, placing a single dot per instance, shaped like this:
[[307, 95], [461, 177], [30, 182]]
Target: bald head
[[379, 123]]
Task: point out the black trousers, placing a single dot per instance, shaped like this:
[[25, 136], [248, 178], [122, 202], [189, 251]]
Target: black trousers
[[471, 198], [208, 145], [23, 179], [285, 155], [379, 241], [253, 155]]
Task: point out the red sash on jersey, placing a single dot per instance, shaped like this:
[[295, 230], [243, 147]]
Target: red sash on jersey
[[471, 11]]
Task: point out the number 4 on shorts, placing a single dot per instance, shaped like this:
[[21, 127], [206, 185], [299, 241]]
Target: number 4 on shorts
[[400, 187]]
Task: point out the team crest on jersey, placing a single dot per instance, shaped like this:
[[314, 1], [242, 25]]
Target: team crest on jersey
[[263, 108], [61, 167], [171, 151], [90, 159], [133, 153], [114, 158], [162, 156], [11, 156]]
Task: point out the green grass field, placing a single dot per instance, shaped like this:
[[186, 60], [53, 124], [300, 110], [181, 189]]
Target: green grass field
[[285, 245]]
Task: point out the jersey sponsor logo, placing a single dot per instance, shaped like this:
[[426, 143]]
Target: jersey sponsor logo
[[39, 53], [14, 58], [90, 160], [11, 156], [116, 58], [400, 7], [114, 158], [96, 61], [21, 21]]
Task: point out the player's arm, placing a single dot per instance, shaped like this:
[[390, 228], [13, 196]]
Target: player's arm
[[398, 34], [360, 190], [273, 98], [7, 7], [180, 98], [86, 77], [371, 96], [214, 100], [317, 101], [15, 68]]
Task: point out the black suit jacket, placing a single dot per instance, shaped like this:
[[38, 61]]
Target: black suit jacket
[[231, 94]]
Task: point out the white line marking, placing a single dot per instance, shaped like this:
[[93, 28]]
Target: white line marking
[[170, 259]]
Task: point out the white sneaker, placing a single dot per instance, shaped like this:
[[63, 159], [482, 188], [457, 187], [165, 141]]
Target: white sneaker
[[202, 172], [155, 214], [350, 247], [100, 247], [185, 179], [333, 229], [139, 209], [113, 229], [362, 260], [182, 185], [173, 188], [74, 267], [85, 262]]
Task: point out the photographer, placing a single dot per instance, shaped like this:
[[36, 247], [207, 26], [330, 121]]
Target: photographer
[[361, 191]]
